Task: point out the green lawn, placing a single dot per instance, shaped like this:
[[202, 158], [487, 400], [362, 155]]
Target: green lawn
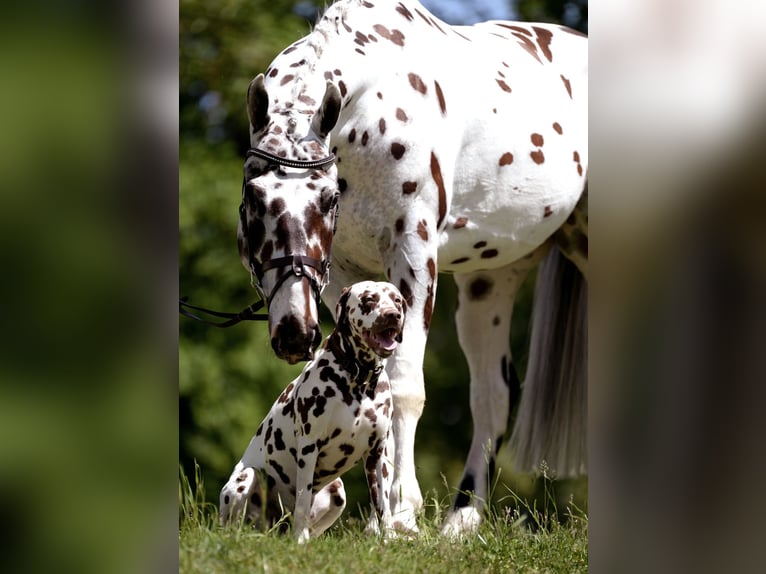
[[505, 543]]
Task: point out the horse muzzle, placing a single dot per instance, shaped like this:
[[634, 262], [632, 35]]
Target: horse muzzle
[[294, 341]]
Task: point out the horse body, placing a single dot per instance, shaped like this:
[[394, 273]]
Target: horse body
[[480, 135], [458, 149]]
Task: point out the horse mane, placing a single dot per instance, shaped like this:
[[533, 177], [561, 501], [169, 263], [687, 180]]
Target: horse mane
[[320, 33], [323, 27]]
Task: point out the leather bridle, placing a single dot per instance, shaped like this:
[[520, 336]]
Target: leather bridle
[[321, 163], [292, 265]]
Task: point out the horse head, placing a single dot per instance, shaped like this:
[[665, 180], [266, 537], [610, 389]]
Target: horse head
[[288, 214]]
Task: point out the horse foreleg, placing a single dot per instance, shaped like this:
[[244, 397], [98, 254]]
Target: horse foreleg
[[412, 268], [483, 317], [408, 391], [408, 395]]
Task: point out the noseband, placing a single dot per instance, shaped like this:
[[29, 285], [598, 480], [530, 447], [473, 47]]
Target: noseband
[[295, 265]]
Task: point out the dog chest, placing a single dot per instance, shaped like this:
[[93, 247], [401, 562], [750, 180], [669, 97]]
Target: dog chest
[[351, 430]]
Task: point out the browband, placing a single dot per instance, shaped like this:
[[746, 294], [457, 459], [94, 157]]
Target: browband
[[296, 163]]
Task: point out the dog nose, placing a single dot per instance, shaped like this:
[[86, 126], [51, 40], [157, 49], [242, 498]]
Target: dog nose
[[392, 314]]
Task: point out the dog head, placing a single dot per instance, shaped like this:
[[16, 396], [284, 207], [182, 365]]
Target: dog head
[[370, 314]]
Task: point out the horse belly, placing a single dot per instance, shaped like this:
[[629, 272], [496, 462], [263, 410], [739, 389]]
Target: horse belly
[[500, 219], [501, 238], [518, 175]]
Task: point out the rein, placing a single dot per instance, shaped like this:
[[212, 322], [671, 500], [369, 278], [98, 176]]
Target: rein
[[297, 263], [247, 314]]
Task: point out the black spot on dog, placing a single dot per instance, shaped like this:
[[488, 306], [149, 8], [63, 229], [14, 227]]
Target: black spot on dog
[[319, 408], [280, 471], [279, 444]]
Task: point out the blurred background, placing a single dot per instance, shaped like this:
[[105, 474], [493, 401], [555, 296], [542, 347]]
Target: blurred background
[[228, 378]]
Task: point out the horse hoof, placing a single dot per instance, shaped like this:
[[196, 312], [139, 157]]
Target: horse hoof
[[461, 522]]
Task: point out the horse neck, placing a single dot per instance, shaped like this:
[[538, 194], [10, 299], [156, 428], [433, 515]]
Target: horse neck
[[331, 53]]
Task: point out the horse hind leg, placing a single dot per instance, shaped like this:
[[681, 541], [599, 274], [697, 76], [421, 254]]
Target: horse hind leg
[[572, 237], [483, 317]]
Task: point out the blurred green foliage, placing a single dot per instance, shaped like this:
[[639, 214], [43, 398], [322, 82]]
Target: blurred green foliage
[[228, 378], [87, 391]]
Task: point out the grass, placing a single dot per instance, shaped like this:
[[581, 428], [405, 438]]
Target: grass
[[516, 538]]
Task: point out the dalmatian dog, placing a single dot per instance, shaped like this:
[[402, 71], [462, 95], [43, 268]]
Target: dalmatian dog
[[337, 412]]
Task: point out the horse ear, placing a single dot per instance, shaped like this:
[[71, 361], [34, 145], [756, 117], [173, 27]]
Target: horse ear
[[257, 104], [327, 114]]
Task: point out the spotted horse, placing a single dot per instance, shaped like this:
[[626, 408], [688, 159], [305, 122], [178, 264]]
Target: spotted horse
[[439, 149]]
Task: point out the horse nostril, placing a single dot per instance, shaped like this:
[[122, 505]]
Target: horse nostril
[[293, 342]]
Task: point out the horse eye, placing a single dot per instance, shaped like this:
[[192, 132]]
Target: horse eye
[[252, 170], [329, 199]]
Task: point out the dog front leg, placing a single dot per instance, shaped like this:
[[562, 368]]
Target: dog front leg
[[378, 471], [304, 487]]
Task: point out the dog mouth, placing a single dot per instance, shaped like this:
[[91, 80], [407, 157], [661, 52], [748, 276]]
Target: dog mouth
[[384, 339]]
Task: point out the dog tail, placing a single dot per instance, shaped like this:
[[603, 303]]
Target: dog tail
[[550, 428]]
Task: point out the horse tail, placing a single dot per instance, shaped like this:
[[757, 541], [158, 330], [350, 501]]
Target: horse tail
[[551, 423]]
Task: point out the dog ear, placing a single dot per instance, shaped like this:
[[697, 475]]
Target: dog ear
[[341, 316]]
